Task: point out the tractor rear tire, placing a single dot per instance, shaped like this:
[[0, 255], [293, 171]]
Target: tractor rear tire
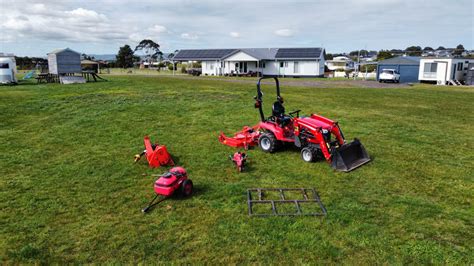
[[267, 142], [187, 188], [309, 154]]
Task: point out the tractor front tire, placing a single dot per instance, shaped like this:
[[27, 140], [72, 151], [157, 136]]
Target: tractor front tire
[[309, 154], [267, 142], [187, 188]]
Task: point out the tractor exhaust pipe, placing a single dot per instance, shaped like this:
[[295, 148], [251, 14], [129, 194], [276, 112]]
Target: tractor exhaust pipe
[[349, 156]]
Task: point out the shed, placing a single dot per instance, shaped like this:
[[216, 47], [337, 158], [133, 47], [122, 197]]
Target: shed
[[64, 61], [407, 66], [90, 65]]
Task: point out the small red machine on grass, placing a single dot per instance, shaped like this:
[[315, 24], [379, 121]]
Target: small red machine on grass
[[239, 159], [168, 183], [157, 155]]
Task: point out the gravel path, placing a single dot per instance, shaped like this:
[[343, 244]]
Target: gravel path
[[301, 82]]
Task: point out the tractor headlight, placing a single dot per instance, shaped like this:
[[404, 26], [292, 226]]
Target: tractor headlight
[[325, 131]]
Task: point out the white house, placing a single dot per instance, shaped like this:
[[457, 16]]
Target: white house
[[443, 71], [341, 63], [290, 62]]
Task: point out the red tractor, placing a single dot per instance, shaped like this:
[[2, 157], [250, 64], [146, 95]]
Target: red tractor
[[316, 136]]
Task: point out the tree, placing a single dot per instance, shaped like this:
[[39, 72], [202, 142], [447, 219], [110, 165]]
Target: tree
[[459, 50], [427, 48], [125, 57], [384, 54], [171, 55], [87, 57], [396, 52], [414, 50], [150, 49], [440, 48]]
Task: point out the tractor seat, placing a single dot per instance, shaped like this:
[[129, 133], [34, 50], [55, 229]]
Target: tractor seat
[[278, 109], [278, 113]]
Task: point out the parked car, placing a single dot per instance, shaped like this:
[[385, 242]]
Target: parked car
[[389, 75], [195, 71]]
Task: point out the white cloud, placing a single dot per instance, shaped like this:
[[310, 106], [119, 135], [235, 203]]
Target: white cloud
[[189, 36], [158, 29], [234, 34], [45, 23], [284, 32]]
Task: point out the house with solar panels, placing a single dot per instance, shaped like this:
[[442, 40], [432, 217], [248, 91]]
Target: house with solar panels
[[286, 62]]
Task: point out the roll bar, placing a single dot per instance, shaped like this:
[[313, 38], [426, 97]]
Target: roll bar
[[259, 99]]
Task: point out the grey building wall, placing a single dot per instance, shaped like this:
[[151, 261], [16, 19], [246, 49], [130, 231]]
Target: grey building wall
[[64, 62]]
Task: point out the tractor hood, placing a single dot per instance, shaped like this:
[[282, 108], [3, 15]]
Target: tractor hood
[[315, 121]]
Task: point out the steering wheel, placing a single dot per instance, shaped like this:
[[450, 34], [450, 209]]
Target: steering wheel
[[297, 112]]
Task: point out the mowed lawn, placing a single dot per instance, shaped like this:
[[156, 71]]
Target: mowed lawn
[[70, 192]]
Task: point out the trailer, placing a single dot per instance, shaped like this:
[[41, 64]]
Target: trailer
[[7, 69]]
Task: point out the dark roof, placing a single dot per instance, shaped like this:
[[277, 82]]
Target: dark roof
[[261, 53], [258, 53], [203, 54], [58, 51], [401, 60], [298, 53]]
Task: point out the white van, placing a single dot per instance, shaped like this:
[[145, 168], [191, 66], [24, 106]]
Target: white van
[[7, 70]]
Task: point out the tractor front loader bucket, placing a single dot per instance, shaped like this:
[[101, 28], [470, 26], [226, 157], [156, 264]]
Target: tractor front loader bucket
[[349, 156]]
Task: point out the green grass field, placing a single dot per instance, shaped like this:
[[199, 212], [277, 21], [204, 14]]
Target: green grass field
[[70, 192]]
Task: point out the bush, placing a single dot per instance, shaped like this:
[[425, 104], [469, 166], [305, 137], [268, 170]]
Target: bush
[[183, 69], [370, 68]]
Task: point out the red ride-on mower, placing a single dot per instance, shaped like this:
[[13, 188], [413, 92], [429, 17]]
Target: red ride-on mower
[[168, 183], [313, 134], [157, 155], [239, 159]]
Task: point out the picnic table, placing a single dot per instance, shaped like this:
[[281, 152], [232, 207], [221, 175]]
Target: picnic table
[[47, 78]]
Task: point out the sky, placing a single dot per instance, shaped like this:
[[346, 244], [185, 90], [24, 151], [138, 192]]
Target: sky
[[36, 27]]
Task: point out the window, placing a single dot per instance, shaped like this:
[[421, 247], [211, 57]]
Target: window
[[281, 64], [459, 66], [286, 64], [211, 66], [296, 67], [429, 70], [261, 64], [4, 66]]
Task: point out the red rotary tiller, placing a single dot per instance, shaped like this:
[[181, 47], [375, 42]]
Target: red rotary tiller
[[157, 155], [239, 159]]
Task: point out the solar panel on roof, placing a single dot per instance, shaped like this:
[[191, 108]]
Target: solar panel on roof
[[298, 53], [203, 54]]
